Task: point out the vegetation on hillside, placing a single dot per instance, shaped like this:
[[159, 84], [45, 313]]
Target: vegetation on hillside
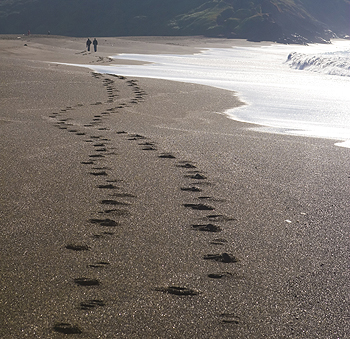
[[278, 20]]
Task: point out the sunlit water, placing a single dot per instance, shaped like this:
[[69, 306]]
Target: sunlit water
[[300, 90]]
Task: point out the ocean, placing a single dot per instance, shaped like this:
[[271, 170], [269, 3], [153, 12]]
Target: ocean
[[290, 89]]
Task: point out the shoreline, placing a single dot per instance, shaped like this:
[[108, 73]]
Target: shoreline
[[116, 179], [312, 128]]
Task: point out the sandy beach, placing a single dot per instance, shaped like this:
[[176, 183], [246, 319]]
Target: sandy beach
[[133, 208]]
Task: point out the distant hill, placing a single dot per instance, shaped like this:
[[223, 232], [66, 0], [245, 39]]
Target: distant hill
[[297, 21]]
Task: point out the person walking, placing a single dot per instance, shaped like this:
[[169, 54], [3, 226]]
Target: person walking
[[88, 43], [95, 43]]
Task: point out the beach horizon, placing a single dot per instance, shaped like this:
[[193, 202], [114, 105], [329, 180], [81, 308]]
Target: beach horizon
[[134, 208]]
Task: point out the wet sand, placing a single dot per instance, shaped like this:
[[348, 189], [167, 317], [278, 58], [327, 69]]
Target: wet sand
[[131, 208]]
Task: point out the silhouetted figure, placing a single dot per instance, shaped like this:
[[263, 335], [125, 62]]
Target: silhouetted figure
[[95, 43], [88, 43]]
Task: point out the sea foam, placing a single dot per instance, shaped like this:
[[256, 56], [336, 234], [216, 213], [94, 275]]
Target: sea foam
[[337, 63]]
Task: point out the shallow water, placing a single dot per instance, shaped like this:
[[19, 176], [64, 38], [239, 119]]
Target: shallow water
[[306, 95]]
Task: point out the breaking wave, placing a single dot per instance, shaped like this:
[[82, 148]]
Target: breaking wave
[[337, 63]]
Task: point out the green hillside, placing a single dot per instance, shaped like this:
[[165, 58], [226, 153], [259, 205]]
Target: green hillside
[[278, 20]]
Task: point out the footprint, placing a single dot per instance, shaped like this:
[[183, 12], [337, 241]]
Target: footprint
[[102, 168], [147, 143], [136, 137], [100, 264], [224, 257], [77, 247], [97, 236], [104, 222], [113, 202], [98, 173], [109, 187], [218, 242], [149, 148], [96, 156], [90, 304], [166, 156], [196, 176], [199, 207], [86, 282], [177, 290], [230, 318], [219, 275], [66, 328], [191, 189], [207, 228], [116, 212], [186, 165], [108, 233]]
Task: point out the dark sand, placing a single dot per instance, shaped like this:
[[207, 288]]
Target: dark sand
[[81, 199]]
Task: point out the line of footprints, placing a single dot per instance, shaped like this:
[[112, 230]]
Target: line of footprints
[[113, 209]]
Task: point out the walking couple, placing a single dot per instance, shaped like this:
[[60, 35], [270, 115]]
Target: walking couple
[[88, 43]]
